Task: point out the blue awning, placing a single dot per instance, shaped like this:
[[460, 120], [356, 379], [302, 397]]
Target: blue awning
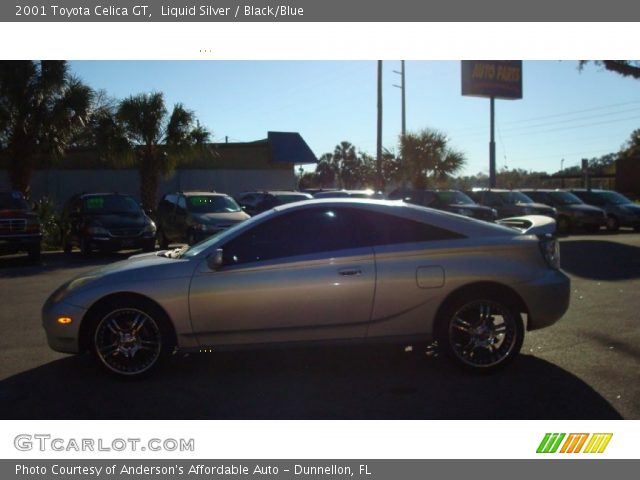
[[290, 147]]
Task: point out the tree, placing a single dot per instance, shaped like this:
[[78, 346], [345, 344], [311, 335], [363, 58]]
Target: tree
[[325, 171], [42, 107], [158, 139], [631, 149], [426, 154], [626, 68]]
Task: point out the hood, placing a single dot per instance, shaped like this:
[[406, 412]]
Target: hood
[[118, 220], [218, 218], [531, 224]]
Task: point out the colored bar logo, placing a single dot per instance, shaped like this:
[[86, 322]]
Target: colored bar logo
[[574, 443]]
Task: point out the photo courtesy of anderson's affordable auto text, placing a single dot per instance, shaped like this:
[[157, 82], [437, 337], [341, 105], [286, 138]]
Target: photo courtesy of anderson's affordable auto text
[[303, 240]]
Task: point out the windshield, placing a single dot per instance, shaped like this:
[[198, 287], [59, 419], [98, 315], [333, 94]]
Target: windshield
[[212, 204], [514, 197], [615, 198], [12, 201], [565, 198], [110, 204], [454, 198]]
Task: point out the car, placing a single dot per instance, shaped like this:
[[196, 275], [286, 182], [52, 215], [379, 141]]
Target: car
[[573, 213], [349, 194], [106, 222], [448, 200], [257, 202], [510, 203], [190, 217], [19, 226], [324, 272], [621, 212]]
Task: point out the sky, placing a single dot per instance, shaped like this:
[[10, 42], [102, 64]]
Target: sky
[[565, 114]]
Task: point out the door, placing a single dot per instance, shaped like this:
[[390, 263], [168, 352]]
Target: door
[[297, 276]]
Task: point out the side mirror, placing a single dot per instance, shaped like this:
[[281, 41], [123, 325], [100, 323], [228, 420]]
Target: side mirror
[[215, 260]]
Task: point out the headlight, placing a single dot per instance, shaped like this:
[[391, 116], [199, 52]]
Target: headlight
[[465, 211], [97, 231], [150, 228], [203, 227], [550, 248], [494, 212]]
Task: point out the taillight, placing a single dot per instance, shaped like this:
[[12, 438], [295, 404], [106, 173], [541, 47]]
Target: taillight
[[550, 248]]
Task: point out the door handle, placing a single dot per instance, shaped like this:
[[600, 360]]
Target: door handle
[[350, 272]]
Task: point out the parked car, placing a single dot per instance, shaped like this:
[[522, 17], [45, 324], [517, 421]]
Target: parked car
[[106, 222], [257, 202], [448, 200], [322, 271], [572, 212], [189, 217], [621, 212], [19, 226], [349, 194], [510, 203]]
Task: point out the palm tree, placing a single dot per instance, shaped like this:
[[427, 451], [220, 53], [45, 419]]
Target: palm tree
[[345, 161], [426, 154], [42, 107], [157, 138]]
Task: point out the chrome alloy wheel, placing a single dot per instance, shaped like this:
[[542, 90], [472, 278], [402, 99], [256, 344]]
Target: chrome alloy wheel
[[483, 334], [128, 341]]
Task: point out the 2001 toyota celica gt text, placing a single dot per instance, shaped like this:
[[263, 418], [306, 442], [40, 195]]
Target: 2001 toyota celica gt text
[[322, 271]]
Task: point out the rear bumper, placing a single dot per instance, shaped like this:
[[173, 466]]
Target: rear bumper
[[547, 299]]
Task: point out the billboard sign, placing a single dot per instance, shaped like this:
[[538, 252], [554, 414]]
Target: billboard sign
[[492, 78]]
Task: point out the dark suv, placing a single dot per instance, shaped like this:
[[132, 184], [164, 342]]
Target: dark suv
[[449, 200], [19, 226], [189, 217], [572, 212], [621, 212], [257, 202], [509, 203], [107, 222]]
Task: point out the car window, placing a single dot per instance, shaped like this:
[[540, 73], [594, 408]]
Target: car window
[[109, 204], [212, 204], [454, 198], [302, 232], [385, 229]]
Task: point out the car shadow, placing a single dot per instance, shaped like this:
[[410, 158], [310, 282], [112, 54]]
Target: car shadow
[[341, 383], [600, 259]]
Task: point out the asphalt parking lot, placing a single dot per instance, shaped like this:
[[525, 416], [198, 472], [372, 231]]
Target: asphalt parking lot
[[584, 367]]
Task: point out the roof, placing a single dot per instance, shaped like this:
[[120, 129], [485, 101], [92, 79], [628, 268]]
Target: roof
[[289, 147]]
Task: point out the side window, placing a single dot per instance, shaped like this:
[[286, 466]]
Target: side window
[[386, 229], [303, 232]]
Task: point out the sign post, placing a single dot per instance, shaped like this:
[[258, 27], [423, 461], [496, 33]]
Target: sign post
[[492, 79]]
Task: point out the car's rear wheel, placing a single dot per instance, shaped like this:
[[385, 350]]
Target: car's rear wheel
[[480, 332], [131, 340]]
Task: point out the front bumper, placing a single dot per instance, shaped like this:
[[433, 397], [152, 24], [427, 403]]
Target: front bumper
[[19, 243], [62, 338], [547, 299]]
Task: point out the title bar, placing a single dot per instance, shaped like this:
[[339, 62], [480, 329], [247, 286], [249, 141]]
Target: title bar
[[315, 11]]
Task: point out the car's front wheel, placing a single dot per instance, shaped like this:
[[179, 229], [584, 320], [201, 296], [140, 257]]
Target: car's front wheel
[[131, 340], [480, 332]]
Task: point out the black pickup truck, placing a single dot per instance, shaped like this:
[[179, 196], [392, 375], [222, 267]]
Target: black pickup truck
[[19, 226]]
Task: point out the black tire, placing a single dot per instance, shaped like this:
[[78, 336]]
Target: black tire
[[480, 331], [85, 247], [66, 246], [563, 224], [162, 240], [149, 246], [131, 338], [34, 253], [613, 225]]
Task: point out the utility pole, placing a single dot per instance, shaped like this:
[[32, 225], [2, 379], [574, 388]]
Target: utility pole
[[402, 89], [379, 146], [492, 146]]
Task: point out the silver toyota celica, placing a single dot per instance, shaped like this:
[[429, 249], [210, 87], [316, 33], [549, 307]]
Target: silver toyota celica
[[322, 271]]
